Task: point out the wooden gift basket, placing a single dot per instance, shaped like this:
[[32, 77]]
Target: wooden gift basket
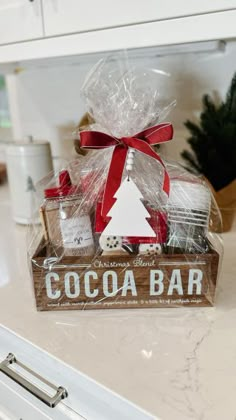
[[124, 282], [175, 266], [154, 213]]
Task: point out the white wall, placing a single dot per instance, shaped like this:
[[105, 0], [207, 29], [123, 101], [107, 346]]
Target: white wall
[[50, 105], [5, 129]]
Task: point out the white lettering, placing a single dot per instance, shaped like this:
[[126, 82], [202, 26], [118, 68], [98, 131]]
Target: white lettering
[[113, 282], [129, 284], [156, 282], [195, 279], [175, 283], [75, 279], [90, 275], [52, 294]]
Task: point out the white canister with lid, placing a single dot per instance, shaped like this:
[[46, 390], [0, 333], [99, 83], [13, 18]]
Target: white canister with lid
[[27, 163]]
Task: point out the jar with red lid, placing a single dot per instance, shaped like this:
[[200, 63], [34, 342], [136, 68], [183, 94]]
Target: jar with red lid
[[66, 219]]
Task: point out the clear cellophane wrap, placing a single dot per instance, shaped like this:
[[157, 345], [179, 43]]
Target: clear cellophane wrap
[[124, 270]]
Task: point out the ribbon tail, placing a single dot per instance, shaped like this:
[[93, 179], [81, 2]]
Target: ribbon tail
[[166, 182], [114, 178]]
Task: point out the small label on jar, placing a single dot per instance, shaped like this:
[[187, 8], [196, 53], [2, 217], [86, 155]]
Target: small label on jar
[[77, 232]]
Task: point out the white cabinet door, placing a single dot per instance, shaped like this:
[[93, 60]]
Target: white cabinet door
[[16, 403], [20, 20], [68, 16], [32, 378]]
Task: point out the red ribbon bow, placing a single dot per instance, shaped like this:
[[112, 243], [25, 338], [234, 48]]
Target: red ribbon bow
[[141, 141]]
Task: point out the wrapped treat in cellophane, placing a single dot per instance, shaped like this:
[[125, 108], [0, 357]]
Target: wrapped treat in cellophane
[[120, 227]]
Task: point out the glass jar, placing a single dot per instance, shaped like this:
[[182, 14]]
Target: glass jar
[[67, 220]]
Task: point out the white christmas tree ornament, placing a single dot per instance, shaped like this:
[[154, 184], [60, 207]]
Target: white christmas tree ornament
[[128, 214]]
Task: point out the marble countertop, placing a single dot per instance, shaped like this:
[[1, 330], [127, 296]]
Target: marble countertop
[[178, 364]]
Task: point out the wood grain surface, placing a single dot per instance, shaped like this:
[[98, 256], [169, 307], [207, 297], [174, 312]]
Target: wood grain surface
[[124, 282]]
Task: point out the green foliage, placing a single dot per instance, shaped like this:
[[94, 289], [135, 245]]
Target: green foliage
[[2, 82], [213, 140]]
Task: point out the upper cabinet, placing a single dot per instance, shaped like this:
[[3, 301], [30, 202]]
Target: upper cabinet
[[59, 28], [68, 16], [20, 20]]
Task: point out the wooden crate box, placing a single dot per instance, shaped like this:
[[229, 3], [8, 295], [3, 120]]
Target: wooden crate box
[[125, 281]]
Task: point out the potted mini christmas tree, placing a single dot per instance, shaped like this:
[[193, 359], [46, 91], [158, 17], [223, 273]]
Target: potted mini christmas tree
[[213, 144]]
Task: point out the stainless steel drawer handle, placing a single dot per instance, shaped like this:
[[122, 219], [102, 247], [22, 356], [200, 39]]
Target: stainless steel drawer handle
[[60, 394]]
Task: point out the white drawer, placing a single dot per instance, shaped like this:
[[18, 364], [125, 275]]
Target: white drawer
[[86, 398]]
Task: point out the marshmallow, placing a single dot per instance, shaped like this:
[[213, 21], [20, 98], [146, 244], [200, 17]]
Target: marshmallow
[[110, 243], [150, 249]]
